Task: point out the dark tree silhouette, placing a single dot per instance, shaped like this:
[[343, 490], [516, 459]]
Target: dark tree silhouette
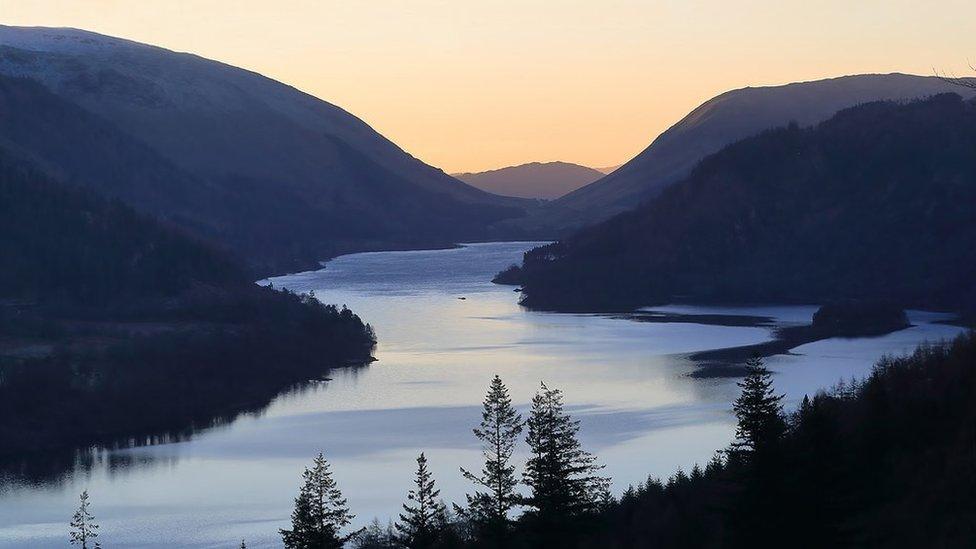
[[563, 478], [755, 455], [423, 524], [320, 512], [500, 428], [759, 412], [84, 530]]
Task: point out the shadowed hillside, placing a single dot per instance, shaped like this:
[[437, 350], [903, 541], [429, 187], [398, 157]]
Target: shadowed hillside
[[276, 175], [876, 203], [114, 326]]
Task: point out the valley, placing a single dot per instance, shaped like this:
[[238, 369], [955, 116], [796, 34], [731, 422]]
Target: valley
[[216, 286]]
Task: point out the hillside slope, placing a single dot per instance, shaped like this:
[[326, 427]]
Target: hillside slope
[[722, 120], [877, 202], [322, 180], [546, 180], [72, 246], [113, 325]]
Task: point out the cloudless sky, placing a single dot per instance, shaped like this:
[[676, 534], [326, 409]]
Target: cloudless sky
[[472, 85]]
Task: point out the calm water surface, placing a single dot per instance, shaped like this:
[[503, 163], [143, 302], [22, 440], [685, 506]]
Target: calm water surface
[[627, 381]]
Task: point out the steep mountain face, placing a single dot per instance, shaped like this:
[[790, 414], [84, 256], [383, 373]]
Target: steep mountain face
[[318, 180], [546, 180], [878, 202], [718, 122]]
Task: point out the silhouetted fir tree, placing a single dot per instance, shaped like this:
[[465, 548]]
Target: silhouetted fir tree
[[423, 524], [320, 511], [84, 530], [759, 412], [500, 428], [755, 454], [563, 477]]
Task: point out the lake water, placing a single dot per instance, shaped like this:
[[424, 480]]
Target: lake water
[[627, 381]]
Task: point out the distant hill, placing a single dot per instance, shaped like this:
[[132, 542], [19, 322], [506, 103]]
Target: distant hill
[[608, 169], [716, 123], [546, 180], [878, 202], [280, 177]]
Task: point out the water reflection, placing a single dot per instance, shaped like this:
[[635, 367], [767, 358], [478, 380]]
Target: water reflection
[[627, 381], [55, 468]]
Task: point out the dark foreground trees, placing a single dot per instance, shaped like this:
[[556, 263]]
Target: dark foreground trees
[[488, 509], [566, 489], [320, 512], [755, 455], [759, 413], [887, 462], [423, 524]]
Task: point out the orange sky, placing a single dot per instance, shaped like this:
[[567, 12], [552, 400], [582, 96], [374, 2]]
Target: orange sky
[[473, 85]]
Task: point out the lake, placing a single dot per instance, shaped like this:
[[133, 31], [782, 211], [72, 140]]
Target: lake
[[444, 330]]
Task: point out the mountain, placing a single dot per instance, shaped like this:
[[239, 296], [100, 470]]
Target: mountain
[[546, 180], [276, 175], [718, 122], [877, 202]]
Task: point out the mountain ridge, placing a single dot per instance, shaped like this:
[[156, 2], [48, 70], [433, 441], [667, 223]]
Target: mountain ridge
[[720, 121], [267, 149]]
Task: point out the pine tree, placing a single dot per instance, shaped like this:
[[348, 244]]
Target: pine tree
[[84, 530], [755, 454], [500, 428], [423, 524], [759, 412], [561, 475], [320, 511]]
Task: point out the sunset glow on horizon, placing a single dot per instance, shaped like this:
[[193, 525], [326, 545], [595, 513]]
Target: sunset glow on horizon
[[469, 86]]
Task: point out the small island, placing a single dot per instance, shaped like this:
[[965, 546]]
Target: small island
[[847, 318], [854, 318]]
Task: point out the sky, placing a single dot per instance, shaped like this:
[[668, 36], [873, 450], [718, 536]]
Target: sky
[[474, 85]]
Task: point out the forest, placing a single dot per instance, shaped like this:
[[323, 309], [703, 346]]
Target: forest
[[889, 461], [114, 326], [875, 203]]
